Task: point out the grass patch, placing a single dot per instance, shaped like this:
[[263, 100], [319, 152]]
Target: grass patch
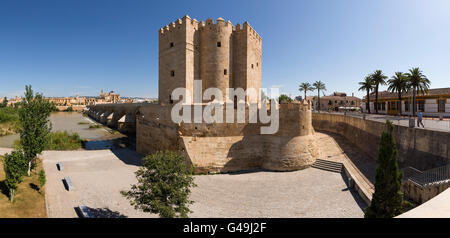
[[95, 126], [62, 140], [28, 201], [9, 121], [83, 123]]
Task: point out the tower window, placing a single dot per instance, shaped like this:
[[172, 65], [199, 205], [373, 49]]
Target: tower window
[[257, 64], [219, 44], [252, 66], [225, 72], [172, 73], [170, 99], [171, 44]]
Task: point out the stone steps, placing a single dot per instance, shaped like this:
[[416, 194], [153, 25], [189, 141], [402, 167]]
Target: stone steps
[[328, 165]]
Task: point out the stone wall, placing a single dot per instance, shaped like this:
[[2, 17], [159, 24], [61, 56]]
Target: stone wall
[[224, 147], [420, 194], [418, 148]]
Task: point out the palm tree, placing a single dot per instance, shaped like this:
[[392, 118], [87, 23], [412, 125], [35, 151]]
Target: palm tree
[[305, 87], [419, 84], [367, 85], [398, 83], [319, 86], [378, 78]]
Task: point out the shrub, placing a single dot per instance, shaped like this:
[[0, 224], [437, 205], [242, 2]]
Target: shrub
[[95, 126], [163, 186], [42, 179], [62, 140], [284, 98]]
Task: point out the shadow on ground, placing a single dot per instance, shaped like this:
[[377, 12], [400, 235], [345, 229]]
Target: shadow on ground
[[361, 160], [124, 148], [101, 213], [354, 194]]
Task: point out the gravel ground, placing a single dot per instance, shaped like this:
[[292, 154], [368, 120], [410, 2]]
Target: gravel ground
[[99, 176], [306, 193]]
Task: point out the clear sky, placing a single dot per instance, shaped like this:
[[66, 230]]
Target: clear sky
[[64, 48]]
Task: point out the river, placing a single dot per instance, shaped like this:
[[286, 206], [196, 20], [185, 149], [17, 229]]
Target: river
[[65, 121]]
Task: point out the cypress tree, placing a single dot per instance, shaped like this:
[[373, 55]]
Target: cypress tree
[[388, 198]]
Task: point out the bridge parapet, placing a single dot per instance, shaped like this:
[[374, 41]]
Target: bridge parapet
[[118, 116]]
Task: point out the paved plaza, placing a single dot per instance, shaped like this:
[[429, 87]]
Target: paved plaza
[[100, 175]]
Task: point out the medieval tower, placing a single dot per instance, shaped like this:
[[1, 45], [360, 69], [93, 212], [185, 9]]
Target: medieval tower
[[220, 54]]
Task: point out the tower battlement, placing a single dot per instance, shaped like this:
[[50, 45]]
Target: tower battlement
[[216, 52]]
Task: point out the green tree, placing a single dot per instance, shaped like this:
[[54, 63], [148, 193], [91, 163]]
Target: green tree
[[15, 167], [42, 179], [4, 102], [398, 84], [284, 98], [319, 86], [163, 187], [305, 87], [34, 112], [378, 78], [418, 82], [387, 199], [367, 85]]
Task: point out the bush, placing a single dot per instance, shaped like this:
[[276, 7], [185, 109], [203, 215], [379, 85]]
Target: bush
[[42, 179], [163, 186], [9, 114], [95, 126], [69, 109], [62, 140], [284, 98]]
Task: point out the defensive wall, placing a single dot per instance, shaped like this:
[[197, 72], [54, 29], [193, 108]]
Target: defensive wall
[[226, 147], [218, 147]]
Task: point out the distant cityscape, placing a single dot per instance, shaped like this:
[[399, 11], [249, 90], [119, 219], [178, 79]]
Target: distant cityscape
[[79, 103]]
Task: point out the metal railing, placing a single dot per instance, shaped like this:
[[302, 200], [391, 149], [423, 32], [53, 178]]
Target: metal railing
[[428, 177]]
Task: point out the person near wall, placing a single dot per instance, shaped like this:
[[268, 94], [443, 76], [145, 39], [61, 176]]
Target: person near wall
[[420, 120]]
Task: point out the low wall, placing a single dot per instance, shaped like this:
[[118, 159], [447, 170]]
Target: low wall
[[418, 148], [421, 194]]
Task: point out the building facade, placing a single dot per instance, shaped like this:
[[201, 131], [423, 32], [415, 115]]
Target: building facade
[[220, 54], [336, 102], [434, 104]]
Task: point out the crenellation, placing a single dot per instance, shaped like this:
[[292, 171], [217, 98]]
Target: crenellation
[[219, 54]]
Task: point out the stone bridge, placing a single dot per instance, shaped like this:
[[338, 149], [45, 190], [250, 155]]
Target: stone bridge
[[118, 116]]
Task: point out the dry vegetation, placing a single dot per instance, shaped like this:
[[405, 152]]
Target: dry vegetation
[[28, 201]]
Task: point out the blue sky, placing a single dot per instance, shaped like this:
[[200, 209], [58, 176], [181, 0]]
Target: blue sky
[[64, 48]]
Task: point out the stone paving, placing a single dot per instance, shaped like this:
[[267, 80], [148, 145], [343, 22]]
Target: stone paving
[[100, 175]]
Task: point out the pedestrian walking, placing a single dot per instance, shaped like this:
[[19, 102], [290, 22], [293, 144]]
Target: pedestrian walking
[[419, 120]]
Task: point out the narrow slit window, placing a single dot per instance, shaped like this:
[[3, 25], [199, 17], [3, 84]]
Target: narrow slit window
[[225, 72], [172, 73], [219, 44], [171, 44]]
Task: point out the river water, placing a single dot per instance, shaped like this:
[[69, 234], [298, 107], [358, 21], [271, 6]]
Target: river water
[[65, 121]]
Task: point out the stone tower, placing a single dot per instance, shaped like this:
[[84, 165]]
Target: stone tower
[[220, 54]]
